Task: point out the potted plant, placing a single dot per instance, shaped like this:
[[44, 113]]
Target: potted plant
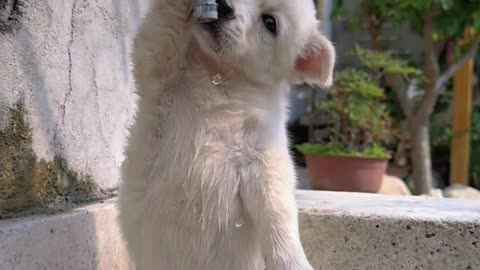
[[353, 156]]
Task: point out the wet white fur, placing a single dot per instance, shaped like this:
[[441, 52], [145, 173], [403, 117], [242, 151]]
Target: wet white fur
[[204, 159]]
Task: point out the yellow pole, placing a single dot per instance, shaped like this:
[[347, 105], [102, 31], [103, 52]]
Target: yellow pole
[[462, 114]]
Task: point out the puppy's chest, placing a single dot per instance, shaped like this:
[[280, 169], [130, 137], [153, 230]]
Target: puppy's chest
[[248, 132]]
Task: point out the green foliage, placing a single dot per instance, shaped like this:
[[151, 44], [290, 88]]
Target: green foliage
[[441, 136], [357, 83], [359, 119], [384, 62], [475, 146], [456, 16], [451, 19], [335, 149]]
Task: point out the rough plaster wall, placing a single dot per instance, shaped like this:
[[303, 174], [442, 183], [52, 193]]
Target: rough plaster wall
[[69, 61]]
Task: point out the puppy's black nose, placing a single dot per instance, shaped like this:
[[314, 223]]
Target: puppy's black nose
[[225, 10]]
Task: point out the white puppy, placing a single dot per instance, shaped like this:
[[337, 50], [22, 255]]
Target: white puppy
[[208, 183]]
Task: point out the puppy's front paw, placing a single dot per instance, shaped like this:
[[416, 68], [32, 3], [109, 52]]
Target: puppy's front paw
[[290, 266], [299, 262], [302, 265], [305, 267]]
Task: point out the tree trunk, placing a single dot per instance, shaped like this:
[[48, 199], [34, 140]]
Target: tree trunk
[[422, 164]]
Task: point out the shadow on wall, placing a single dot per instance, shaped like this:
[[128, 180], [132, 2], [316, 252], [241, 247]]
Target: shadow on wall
[[29, 185], [39, 93], [135, 11], [10, 12]]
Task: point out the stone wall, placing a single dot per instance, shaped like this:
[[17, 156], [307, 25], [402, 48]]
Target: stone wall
[[68, 63]]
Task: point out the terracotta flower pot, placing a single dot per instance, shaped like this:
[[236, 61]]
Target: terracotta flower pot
[[341, 173]]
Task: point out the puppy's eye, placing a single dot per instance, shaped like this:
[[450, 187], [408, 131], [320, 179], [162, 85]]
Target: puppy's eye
[[270, 23]]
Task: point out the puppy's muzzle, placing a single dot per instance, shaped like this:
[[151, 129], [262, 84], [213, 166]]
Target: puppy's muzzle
[[212, 11], [225, 10]]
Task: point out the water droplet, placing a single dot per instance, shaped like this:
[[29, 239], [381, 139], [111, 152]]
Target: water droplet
[[240, 222], [217, 79]]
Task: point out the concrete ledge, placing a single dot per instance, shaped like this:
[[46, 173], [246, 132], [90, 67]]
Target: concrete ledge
[[84, 239], [358, 231], [339, 231]]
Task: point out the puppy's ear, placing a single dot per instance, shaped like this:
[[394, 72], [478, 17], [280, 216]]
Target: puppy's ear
[[315, 63]]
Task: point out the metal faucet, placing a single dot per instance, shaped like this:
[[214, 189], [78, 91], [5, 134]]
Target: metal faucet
[[205, 11]]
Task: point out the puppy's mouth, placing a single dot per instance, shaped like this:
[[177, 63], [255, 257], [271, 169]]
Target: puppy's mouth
[[210, 30], [208, 34], [213, 28]]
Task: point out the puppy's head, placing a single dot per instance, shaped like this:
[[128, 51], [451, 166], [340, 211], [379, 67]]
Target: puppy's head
[[269, 40]]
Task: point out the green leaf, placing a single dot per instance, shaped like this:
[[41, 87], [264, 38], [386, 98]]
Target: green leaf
[[376, 61], [446, 4], [335, 149]]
